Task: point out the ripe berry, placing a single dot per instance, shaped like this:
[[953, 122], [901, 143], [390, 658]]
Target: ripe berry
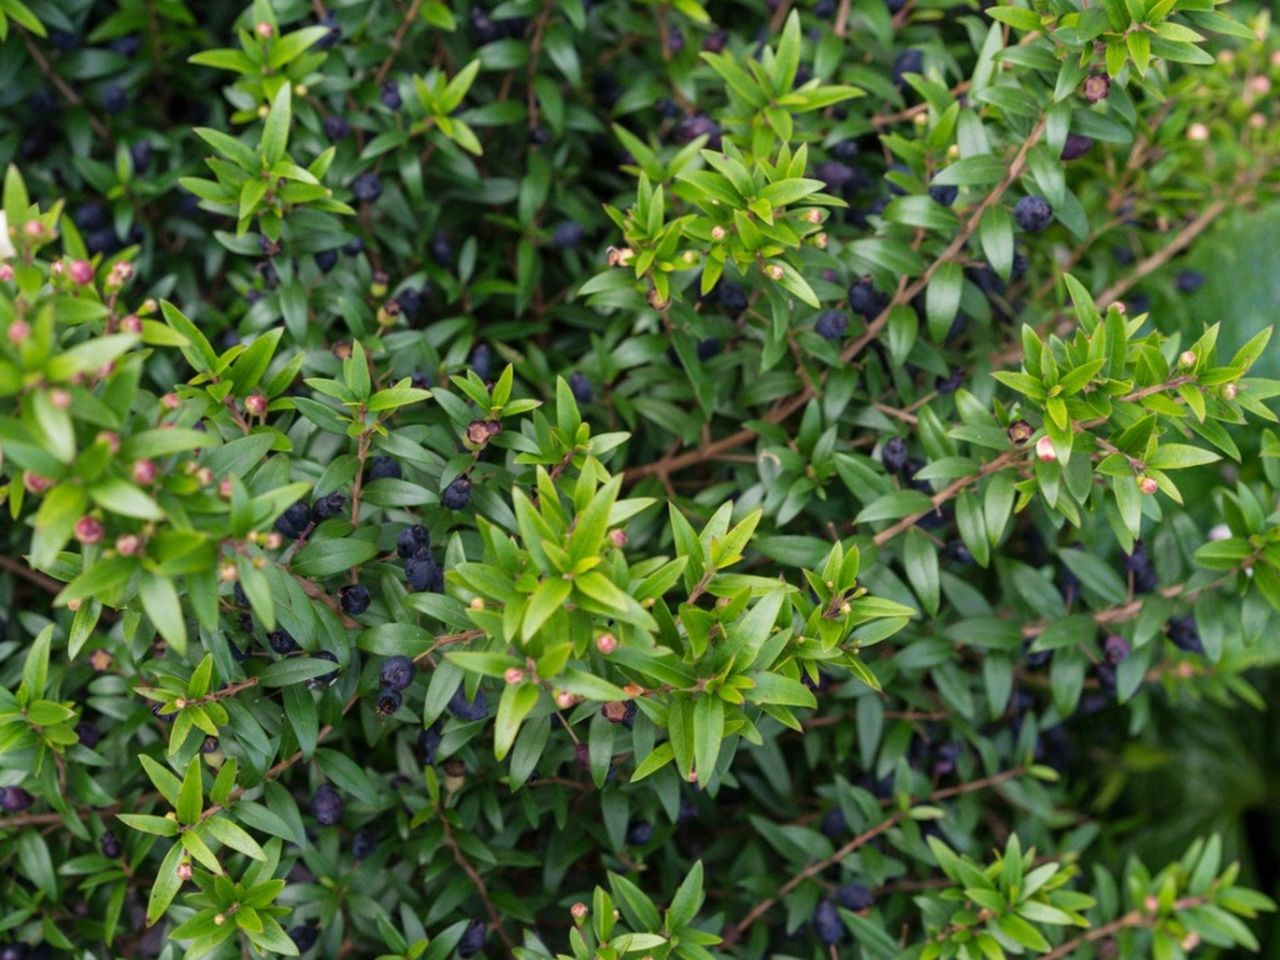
[[707, 348], [325, 679], [412, 539], [388, 702], [715, 41], [827, 923], [442, 249], [281, 641], [410, 302], [945, 195], [390, 95], [114, 99], [423, 574], [336, 126], [481, 360], [326, 805], [364, 843], [733, 299], [326, 260], [110, 845], [863, 298], [294, 521], [1033, 214], [697, 125], [1076, 146], [639, 833], [367, 187], [894, 454], [568, 234], [429, 742], [1189, 281], [831, 324], [328, 507], [457, 495], [397, 672], [468, 710], [836, 175], [140, 154], [1116, 648], [354, 599], [854, 896], [304, 937], [473, 939], [381, 468], [15, 799], [834, 825], [1139, 565], [1184, 635], [580, 387]]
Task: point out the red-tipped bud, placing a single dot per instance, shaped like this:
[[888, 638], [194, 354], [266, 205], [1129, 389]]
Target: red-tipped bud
[[1148, 486], [256, 404], [514, 675], [1045, 451], [128, 544], [144, 472], [89, 530], [80, 272], [606, 643]]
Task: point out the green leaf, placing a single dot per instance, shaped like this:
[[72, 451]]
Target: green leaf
[[164, 609], [275, 131]]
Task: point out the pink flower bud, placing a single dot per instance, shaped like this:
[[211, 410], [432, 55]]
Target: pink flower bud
[[579, 911], [33, 229], [185, 872], [775, 272], [256, 404], [265, 30], [170, 401], [89, 530], [606, 643], [81, 272], [618, 538], [717, 233], [112, 440], [35, 483], [228, 573], [514, 675], [1148, 486], [61, 399], [131, 324], [565, 700], [144, 472], [19, 330], [1045, 451], [6, 272], [1230, 391], [272, 541], [1187, 359], [128, 544]]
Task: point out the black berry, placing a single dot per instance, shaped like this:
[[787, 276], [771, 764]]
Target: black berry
[[389, 701], [894, 454], [1189, 281], [639, 833], [281, 641], [827, 923], [469, 710], [457, 495], [1076, 146], [473, 939], [367, 187], [354, 598], [364, 843], [294, 522], [110, 845], [945, 195], [831, 324], [568, 234], [381, 468], [1184, 635], [854, 896], [397, 672], [580, 387], [325, 679], [328, 507]]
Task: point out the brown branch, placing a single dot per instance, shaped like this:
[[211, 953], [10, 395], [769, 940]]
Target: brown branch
[[1134, 918], [477, 881], [45, 582], [396, 40], [66, 90]]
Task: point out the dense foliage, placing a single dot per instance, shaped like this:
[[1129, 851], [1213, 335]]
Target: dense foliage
[[616, 479]]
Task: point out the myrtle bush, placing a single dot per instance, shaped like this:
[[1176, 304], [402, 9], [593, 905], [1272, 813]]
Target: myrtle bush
[[652, 480]]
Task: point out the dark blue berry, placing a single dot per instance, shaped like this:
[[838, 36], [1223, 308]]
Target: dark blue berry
[[539, 136], [326, 260], [63, 40], [1033, 214], [945, 195], [428, 743], [442, 249], [1139, 565], [282, 641], [733, 299], [473, 939], [397, 672], [114, 98], [423, 574], [834, 825], [330, 39], [110, 845], [835, 175], [639, 833], [325, 679], [1036, 658], [908, 61], [90, 216], [707, 348], [304, 937], [485, 30], [388, 702], [831, 324], [336, 126], [1189, 281], [580, 387], [468, 710], [1184, 635], [481, 360], [410, 302], [381, 468], [390, 95], [457, 494], [364, 843], [1116, 648], [894, 454], [863, 298], [827, 923], [411, 539], [1076, 146], [354, 598], [327, 507], [696, 125], [666, 109], [715, 41], [140, 154], [295, 521], [326, 805], [420, 380], [367, 187], [854, 896], [568, 234], [894, 188]]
